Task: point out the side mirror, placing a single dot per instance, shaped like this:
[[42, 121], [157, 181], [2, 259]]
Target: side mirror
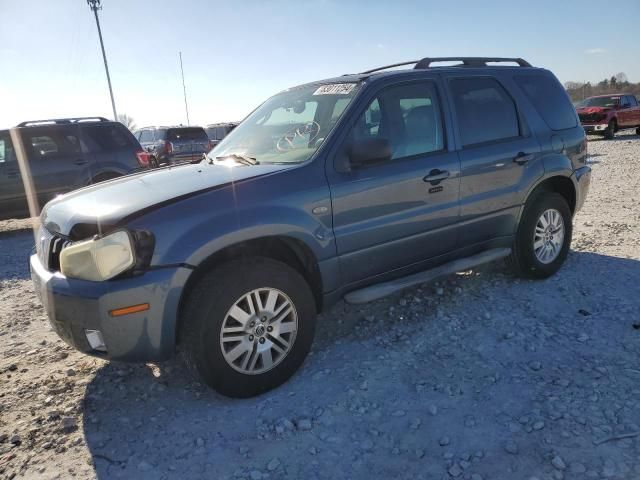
[[369, 151]]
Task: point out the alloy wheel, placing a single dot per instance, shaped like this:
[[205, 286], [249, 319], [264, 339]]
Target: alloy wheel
[[258, 331], [548, 237]]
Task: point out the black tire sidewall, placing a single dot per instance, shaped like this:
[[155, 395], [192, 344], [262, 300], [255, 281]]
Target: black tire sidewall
[[528, 262], [207, 308], [611, 130]]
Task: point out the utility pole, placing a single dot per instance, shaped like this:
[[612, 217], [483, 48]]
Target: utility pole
[[95, 5], [184, 90]]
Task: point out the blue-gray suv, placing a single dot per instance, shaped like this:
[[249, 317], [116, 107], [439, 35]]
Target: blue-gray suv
[[354, 187]]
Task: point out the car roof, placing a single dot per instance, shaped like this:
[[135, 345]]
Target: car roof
[[612, 95], [466, 64], [67, 121], [157, 127]]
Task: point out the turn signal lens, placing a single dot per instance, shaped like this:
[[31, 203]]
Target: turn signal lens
[[118, 312]]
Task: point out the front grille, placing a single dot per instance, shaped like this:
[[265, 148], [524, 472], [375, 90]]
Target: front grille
[[48, 247], [591, 117]]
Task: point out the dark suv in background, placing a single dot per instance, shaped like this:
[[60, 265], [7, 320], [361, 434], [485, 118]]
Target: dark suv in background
[[355, 187], [169, 145], [62, 155], [217, 131]]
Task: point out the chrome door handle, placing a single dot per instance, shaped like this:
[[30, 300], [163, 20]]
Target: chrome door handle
[[436, 176]]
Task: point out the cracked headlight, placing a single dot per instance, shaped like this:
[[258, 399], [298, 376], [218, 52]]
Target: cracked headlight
[[98, 259]]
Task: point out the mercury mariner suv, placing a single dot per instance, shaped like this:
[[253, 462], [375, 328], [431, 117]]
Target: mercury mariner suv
[[354, 187]]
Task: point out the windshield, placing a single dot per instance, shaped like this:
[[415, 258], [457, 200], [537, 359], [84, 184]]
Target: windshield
[[290, 126], [600, 102]]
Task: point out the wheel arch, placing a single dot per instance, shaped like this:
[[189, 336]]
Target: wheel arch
[[559, 183], [283, 248]]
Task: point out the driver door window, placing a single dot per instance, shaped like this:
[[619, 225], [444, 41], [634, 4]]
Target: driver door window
[[408, 116]]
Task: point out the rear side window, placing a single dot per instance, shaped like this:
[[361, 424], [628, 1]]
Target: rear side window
[[549, 99], [53, 142], [634, 101], [146, 136], [106, 137], [485, 111], [177, 134]]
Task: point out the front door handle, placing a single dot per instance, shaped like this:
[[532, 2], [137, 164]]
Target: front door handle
[[523, 158], [436, 176], [80, 162]]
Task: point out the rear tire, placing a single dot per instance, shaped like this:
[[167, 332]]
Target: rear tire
[[231, 319], [610, 132], [638, 131], [536, 253]]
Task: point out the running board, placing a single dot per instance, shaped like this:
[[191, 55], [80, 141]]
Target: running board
[[380, 290]]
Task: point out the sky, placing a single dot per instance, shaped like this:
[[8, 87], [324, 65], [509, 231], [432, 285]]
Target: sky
[[238, 53]]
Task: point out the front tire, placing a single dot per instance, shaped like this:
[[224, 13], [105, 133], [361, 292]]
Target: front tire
[[248, 326], [543, 237]]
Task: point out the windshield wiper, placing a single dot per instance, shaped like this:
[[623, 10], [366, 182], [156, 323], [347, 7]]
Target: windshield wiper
[[243, 159]]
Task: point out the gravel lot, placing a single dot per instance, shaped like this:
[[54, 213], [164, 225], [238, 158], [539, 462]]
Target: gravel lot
[[479, 376]]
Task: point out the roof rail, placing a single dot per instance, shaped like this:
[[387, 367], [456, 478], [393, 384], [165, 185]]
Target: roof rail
[[466, 62], [401, 64], [62, 121], [470, 61]]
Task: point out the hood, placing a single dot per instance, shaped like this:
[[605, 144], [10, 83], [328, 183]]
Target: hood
[[110, 202], [589, 110]]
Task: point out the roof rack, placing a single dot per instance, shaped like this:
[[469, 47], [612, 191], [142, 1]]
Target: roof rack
[[62, 121], [466, 62], [470, 61]]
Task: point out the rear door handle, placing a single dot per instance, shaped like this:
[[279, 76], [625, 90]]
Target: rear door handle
[[436, 176], [523, 158], [12, 174], [80, 162]]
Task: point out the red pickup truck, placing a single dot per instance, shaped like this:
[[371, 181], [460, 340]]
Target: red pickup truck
[[606, 114]]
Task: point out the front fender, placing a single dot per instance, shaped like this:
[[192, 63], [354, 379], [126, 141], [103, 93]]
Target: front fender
[[207, 238], [192, 229]]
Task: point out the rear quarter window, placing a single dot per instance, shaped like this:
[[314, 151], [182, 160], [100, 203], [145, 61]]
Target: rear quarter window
[[106, 137], [6, 148], [549, 99]]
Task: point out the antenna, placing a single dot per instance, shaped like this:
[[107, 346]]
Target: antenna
[[184, 90]]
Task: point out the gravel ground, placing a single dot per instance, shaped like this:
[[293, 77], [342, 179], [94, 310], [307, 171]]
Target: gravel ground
[[478, 376]]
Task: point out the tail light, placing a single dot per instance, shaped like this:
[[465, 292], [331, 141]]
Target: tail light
[[211, 145], [144, 158], [168, 148]]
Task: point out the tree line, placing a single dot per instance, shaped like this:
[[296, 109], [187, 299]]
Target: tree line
[[618, 83]]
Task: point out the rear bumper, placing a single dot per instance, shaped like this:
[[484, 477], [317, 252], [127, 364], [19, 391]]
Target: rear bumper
[[595, 127], [582, 179], [74, 306]]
